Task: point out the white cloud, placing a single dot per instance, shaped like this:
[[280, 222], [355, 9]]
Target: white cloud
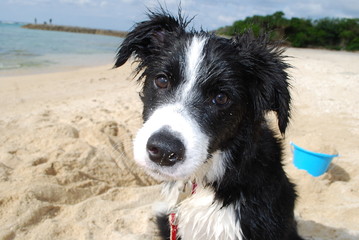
[[78, 2], [127, 1], [25, 2], [225, 19], [103, 3]]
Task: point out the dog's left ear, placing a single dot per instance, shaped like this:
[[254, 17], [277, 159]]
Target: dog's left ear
[[148, 37], [266, 76]]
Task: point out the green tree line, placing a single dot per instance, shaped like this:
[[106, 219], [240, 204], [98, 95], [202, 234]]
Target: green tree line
[[332, 33]]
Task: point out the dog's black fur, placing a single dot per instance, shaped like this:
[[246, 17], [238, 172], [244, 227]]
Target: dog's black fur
[[253, 74]]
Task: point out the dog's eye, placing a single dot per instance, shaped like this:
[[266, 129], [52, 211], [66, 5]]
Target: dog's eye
[[162, 81], [221, 99]]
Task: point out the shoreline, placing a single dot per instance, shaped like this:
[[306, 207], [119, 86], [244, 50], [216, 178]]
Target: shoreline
[[49, 70], [53, 70], [61, 63], [62, 28]]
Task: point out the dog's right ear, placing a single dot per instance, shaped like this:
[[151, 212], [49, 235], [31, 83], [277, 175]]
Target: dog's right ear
[[148, 37]]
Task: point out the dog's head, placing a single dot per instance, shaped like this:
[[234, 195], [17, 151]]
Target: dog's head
[[199, 91]]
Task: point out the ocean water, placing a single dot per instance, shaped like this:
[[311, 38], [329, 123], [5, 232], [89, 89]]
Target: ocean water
[[25, 51]]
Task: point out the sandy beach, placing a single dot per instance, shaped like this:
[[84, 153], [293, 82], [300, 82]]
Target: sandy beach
[[66, 168]]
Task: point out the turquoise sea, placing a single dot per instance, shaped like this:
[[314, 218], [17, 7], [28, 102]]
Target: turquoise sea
[[24, 51]]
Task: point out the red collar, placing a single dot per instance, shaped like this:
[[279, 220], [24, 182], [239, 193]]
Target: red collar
[[173, 226], [172, 218]]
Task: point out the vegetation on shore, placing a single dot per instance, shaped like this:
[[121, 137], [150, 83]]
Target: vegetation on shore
[[331, 33], [61, 28]]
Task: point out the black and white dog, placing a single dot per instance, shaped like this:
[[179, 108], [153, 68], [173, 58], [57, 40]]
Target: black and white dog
[[205, 99]]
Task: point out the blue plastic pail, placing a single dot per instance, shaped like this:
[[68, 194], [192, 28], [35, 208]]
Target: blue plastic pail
[[314, 163]]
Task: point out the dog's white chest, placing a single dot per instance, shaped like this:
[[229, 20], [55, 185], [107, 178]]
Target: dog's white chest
[[202, 218]]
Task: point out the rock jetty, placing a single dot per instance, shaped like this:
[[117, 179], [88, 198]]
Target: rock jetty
[[61, 28]]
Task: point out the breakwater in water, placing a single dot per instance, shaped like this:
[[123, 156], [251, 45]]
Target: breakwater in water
[[61, 28]]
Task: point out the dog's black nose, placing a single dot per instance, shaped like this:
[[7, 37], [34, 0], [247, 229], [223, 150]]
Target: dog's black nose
[[165, 149]]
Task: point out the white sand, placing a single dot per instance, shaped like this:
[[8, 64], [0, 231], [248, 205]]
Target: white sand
[[66, 168]]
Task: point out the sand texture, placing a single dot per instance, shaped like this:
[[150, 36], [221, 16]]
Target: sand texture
[[66, 168]]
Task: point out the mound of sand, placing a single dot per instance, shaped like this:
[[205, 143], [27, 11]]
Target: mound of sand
[[66, 168]]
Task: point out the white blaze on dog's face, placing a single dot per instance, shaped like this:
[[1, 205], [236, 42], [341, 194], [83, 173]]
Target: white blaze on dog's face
[[171, 144]]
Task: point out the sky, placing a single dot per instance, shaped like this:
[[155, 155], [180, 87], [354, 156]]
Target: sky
[[209, 14]]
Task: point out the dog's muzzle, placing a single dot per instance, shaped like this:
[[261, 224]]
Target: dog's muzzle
[[165, 149]]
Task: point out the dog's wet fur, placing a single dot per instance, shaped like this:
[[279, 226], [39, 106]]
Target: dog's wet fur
[[205, 100]]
